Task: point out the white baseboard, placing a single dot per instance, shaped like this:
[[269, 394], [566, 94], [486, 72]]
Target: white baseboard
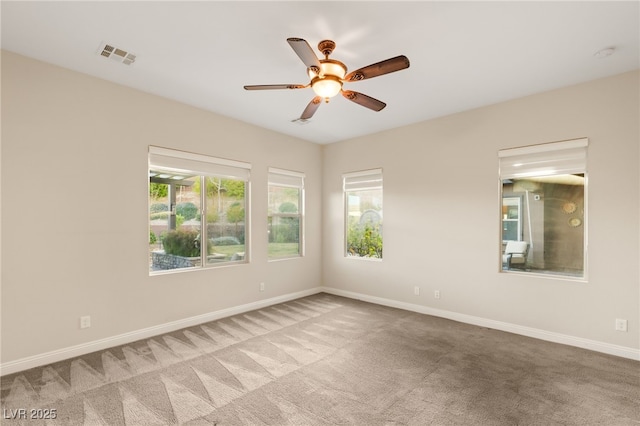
[[607, 348], [122, 339]]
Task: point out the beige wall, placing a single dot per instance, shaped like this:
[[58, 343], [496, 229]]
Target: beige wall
[[442, 213], [74, 211], [74, 219]]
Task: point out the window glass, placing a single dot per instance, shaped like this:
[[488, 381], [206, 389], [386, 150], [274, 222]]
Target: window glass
[[285, 214], [543, 209], [363, 214], [225, 220], [196, 210]]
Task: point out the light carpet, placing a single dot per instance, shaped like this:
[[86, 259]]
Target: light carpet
[[325, 360]]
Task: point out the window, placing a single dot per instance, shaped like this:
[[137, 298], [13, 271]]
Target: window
[[511, 218], [363, 213], [285, 214], [197, 208], [543, 203]]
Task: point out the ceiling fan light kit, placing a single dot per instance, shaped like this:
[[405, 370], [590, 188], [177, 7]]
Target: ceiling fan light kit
[[328, 82], [328, 76]]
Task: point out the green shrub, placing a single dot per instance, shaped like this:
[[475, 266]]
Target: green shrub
[[288, 231], [212, 216], [235, 213], [152, 237], [225, 241], [288, 208], [364, 240], [158, 207], [159, 215], [187, 210], [165, 216], [182, 242]]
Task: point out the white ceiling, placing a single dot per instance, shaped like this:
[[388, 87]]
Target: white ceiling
[[463, 55]]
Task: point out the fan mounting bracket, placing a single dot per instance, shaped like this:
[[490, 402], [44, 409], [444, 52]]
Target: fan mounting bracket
[[326, 47]]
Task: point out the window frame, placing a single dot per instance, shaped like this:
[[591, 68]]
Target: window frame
[[541, 161], [364, 180], [282, 178], [202, 166], [505, 217]]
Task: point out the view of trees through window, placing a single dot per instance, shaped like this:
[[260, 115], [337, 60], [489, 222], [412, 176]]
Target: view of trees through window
[[364, 223], [363, 202], [176, 220], [284, 222]]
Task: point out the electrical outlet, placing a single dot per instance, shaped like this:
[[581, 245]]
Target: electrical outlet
[[85, 322], [261, 286], [436, 294], [621, 324], [416, 291]]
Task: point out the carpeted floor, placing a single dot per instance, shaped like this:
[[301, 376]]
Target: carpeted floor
[[325, 360]]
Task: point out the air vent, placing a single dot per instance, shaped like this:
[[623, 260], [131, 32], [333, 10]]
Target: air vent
[[117, 54]]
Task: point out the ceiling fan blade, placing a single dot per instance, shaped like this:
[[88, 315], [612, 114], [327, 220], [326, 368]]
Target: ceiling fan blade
[[311, 108], [379, 68], [274, 86], [364, 100], [304, 52]]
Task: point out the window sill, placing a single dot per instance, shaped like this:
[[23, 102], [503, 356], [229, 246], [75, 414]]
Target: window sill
[[545, 275]]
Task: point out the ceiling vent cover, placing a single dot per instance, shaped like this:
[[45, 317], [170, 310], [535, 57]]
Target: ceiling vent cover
[[120, 55]]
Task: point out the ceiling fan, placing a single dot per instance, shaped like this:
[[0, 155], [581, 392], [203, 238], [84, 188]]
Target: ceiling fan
[[328, 75]]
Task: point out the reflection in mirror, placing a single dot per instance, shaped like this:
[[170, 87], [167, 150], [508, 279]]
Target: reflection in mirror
[[543, 224]]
